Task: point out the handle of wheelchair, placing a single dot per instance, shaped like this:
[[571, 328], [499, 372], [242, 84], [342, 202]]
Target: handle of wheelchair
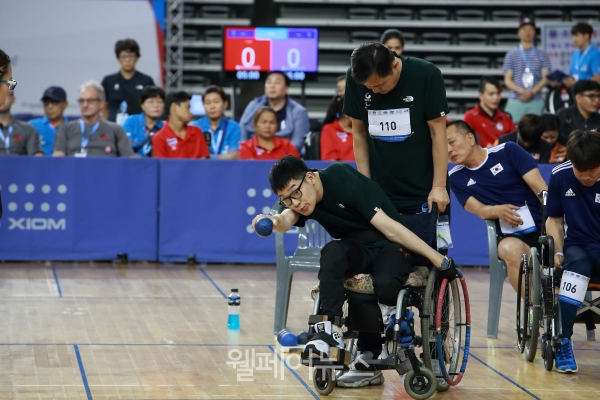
[[548, 241]]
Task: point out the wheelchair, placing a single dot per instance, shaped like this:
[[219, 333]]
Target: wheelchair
[[445, 320], [539, 308]]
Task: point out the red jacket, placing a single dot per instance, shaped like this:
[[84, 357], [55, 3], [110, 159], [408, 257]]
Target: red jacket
[[166, 144], [336, 144], [489, 129], [250, 150]]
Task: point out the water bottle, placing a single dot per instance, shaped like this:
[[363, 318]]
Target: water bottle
[[233, 320]]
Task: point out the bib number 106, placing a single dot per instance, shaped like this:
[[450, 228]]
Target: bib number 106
[[388, 126], [569, 288]]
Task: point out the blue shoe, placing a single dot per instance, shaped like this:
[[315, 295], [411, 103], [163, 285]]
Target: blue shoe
[[564, 358]]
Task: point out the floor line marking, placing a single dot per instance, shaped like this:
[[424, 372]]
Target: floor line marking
[[82, 370], [57, 282], [294, 372], [213, 282], [504, 376]]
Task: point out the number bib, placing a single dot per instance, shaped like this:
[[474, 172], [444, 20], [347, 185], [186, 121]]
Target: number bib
[[573, 287], [528, 225], [390, 125]]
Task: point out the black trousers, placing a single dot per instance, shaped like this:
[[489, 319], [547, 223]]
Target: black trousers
[[389, 265]]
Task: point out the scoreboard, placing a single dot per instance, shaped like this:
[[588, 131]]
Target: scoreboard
[[248, 51]]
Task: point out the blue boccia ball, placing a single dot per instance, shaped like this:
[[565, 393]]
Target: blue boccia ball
[[289, 339], [302, 337], [281, 333], [264, 227]]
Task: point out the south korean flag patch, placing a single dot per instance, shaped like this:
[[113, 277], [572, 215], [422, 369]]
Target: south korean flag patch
[[496, 169]]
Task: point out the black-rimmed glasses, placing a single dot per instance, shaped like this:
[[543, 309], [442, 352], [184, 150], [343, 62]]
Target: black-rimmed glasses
[[296, 195]]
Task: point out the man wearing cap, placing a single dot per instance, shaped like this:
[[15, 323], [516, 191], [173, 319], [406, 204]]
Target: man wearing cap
[[55, 103], [525, 69]]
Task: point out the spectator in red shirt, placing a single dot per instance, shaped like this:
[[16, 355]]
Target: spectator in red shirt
[[177, 139], [485, 118], [264, 145], [336, 135]]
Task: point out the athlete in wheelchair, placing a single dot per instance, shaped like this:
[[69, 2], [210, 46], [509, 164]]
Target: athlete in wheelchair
[[573, 201], [371, 240]]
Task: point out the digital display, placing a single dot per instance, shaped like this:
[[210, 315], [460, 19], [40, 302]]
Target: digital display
[[248, 51]]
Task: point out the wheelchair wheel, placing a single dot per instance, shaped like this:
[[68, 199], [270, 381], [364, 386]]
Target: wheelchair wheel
[[528, 308], [420, 386], [548, 355], [323, 381], [450, 337], [428, 326]]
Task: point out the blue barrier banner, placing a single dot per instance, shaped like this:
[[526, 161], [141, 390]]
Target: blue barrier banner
[[78, 209], [207, 207]]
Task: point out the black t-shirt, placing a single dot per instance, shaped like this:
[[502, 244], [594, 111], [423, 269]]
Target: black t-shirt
[[540, 151], [403, 169], [571, 120], [119, 89], [350, 200]]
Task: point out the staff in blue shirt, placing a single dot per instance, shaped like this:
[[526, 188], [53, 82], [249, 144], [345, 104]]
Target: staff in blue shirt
[[495, 183], [574, 202], [222, 133], [55, 103], [141, 127], [585, 61]]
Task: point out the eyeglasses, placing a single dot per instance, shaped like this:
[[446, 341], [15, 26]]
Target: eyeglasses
[[592, 96], [296, 195], [91, 101], [11, 83]]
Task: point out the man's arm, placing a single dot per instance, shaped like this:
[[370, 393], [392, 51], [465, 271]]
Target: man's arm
[[504, 212], [361, 147], [397, 233], [535, 181], [281, 222], [124, 148], [555, 227], [510, 84], [542, 83], [60, 142], [439, 150]]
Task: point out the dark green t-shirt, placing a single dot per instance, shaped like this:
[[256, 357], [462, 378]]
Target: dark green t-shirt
[[403, 169], [350, 200]]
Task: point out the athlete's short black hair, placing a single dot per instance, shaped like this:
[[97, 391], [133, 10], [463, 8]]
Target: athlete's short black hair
[[176, 98], [492, 81], [286, 170], [531, 128], [371, 58], [463, 127], [583, 149], [392, 34], [285, 77], [127, 45], [583, 28], [150, 92], [584, 85], [551, 122]]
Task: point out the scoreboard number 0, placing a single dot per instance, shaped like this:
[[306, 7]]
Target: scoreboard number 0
[[249, 57], [293, 58]]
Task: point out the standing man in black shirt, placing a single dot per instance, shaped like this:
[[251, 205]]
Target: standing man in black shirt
[[124, 87]]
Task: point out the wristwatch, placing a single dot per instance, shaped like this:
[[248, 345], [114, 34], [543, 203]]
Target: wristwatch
[[445, 263]]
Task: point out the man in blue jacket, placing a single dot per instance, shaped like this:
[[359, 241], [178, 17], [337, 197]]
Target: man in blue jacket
[[292, 117]]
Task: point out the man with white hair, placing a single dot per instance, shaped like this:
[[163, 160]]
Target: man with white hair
[[90, 135]]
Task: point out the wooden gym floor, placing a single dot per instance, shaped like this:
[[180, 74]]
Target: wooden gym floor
[[95, 331]]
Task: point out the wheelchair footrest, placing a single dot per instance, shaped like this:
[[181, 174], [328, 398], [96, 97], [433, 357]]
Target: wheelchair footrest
[[337, 357]]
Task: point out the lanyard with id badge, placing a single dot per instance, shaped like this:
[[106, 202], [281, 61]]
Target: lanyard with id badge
[[580, 61], [527, 225], [84, 140], [6, 138], [527, 79], [390, 125]]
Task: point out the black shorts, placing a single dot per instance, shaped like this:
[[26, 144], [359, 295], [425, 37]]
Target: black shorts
[[531, 239]]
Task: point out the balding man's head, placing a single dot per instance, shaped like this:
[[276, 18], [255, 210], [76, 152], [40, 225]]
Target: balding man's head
[[462, 141]]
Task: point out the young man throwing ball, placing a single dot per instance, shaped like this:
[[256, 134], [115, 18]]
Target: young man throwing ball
[[372, 239]]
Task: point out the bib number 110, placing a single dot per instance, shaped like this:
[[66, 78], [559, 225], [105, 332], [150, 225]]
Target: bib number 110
[[387, 126]]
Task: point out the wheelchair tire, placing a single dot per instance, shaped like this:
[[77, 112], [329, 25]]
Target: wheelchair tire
[[323, 381], [533, 325], [548, 355], [420, 387]]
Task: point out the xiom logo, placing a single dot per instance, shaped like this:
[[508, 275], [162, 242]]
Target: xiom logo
[[37, 224]]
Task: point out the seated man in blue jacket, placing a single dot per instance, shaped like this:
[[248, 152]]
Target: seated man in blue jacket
[[292, 117]]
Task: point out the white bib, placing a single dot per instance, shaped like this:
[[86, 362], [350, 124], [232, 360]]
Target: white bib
[[572, 288], [526, 227], [390, 125]]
